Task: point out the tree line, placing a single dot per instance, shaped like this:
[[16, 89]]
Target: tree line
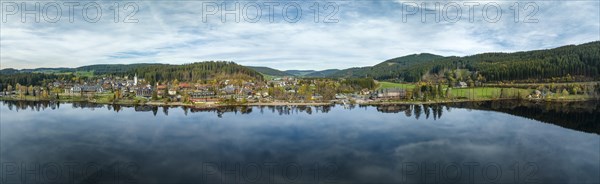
[[36, 79], [194, 72], [582, 62]]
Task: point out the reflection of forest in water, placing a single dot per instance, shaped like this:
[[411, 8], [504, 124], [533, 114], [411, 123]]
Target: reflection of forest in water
[[582, 116]]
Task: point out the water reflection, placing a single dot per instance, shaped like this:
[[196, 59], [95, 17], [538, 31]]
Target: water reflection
[[434, 143], [281, 110], [581, 116]]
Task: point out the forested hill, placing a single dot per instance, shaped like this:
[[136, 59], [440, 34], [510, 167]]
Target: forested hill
[[98, 69], [322, 73], [269, 71], [299, 72], [101, 69], [389, 69], [195, 71], [572, 60], [295, 73], [151, 72]]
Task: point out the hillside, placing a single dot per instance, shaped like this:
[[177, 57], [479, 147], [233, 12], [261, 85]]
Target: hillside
[[299, 72], [8, 71], [269, 71], [195, 71], [151, 72], [295, 73], [312, 73], [98, 69], [101, 69], [388, 69], [322, 73], [410, 60], [572, 60]]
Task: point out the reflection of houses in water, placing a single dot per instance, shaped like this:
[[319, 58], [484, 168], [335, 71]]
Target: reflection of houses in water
[[294, 109], [392, 108], [143, 108], [280, 109], [225, 109], [87, 105]]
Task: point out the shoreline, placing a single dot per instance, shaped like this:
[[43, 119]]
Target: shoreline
[[299, 103]]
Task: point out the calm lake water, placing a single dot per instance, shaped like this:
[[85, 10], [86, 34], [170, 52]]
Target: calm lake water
[[485, 142]]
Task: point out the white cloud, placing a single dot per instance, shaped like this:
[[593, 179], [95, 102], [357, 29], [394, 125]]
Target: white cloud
[[367, 33]]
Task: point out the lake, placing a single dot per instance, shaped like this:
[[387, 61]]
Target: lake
[[479, 142]]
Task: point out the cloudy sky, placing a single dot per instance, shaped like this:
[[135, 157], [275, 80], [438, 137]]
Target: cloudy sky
[[345, 34]]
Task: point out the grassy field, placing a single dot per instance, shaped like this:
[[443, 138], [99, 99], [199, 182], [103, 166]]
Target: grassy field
[[388, 85], [469, 93], [535, 85], [488, 92]]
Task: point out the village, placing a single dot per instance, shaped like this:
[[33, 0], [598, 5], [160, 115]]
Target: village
[[275, 91], [228, 91]]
